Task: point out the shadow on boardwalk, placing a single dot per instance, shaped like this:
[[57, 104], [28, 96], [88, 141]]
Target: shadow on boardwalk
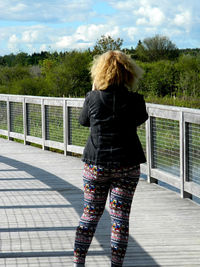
[[26, 230]]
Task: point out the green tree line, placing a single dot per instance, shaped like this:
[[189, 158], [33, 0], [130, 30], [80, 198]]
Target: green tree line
[[169, 73]]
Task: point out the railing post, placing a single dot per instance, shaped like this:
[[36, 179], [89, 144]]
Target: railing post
[[24, 120], [65, 125], [149, 146], [182, 142], [43, 124], [183, 156], [186, 144], [148, 150], [8, 118]]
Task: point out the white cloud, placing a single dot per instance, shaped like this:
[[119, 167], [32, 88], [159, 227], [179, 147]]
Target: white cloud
[[42, 10], [13, 39], [90, 32], [131, 32], [183, 19], [64, 24], [153, 16], [44, 47], [141, 21], [114, 32], [86, 35], [18, 8], [64, 42], [27, 38], [30, 36], [13, 43], [123, 5]]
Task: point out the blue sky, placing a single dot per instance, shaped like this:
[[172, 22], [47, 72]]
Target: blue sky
[[59, 25]]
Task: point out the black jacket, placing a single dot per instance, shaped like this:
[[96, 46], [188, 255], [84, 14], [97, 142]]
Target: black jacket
[[113, 116]]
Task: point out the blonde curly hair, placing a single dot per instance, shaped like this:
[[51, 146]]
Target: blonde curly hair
[[114, 68]]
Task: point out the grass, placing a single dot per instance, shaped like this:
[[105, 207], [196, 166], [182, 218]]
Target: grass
[[189, 102]]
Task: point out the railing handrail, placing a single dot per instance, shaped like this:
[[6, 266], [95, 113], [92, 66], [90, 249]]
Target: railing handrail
[[181, 115], [150, 105]]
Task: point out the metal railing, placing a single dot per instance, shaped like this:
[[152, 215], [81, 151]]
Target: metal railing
[[170, 137]]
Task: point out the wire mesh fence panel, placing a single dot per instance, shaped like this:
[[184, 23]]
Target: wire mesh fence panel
[[3, 115], [141, 131], [34, 120], [193, 150], [54, 123], [77, 133], [16, 117], [166, 145]]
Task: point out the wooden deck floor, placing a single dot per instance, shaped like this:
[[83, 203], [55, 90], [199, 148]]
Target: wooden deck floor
[[40, 205]]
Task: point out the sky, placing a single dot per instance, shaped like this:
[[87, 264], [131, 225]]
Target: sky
[[59, 25]]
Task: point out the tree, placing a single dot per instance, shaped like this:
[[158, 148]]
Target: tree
[[35, 58], [70, 76], [21, 59], [188, 67], [107, 43], [159, 78], [9, 60], [140, 52], [156, 48]]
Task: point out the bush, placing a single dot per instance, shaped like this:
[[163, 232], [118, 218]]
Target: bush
[[159, 78], [30, 86], [188, 83], [70, 76]]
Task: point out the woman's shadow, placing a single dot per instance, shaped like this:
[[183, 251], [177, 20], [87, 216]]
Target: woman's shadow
[[136, 255]]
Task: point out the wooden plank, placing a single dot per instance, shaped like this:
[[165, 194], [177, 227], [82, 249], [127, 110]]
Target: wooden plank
[[165, 114], [4, 132], [166, 177], [33, 139], [17, 135], [75, 103], [41, 200], [75, 149], [192, 188], [54, 144], [192, 117], [53, 102]]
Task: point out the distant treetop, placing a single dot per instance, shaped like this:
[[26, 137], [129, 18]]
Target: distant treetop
[[106, 43]]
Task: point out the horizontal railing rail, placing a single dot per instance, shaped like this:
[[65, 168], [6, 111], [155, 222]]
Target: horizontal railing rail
[[170, 137]]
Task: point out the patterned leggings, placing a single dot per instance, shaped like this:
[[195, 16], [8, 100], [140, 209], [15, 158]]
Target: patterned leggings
[[121, 183]]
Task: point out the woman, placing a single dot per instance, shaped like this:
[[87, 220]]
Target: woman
[[113, 151]]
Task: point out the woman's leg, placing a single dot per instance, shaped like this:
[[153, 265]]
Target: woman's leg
[[122, 189], [96, 190]]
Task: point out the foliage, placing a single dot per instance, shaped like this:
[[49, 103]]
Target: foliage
[[107, 43], [189, 75], [9, 75], [171, 78], [29, 86], [189, 51], [70, 76], [167, 78], [188, 102], [156, 48], [23, 59], [159, 78]]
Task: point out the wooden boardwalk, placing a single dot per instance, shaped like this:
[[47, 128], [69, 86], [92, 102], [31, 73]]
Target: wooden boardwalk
[[40, 205]]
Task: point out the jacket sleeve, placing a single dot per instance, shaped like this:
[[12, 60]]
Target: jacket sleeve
[[84, 118], [142, 114]]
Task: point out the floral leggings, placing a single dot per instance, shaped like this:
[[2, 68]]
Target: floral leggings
[[121, 184]]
